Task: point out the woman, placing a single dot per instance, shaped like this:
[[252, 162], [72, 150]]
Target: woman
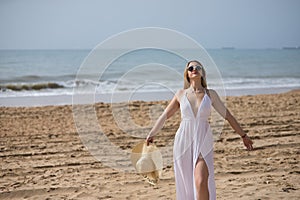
[[193, 144]]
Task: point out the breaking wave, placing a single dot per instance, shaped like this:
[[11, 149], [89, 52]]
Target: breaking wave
[[33, 86]]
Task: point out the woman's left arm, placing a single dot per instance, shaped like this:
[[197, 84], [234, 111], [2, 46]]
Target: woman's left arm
[[225, 113]]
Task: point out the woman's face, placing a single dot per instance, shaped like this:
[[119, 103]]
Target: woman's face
[[194, 70]]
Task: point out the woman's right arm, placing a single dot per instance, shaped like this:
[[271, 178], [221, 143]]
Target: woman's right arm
[[168, 112]]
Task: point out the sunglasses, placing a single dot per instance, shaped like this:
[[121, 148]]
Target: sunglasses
[[194, 67]]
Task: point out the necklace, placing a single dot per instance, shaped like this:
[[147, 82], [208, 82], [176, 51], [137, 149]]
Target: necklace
[[196, 91]]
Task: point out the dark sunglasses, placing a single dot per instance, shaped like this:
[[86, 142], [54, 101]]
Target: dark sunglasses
[[194, 67]]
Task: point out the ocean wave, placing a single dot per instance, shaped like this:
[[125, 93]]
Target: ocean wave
[[104, 86], [36, 78], [36, 86], [52, 85]]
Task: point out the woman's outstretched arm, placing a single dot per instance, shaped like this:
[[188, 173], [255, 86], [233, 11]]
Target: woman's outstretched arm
[[225, 113], [168, 112]]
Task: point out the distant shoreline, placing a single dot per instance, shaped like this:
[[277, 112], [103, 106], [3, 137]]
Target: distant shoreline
[[55, 100]]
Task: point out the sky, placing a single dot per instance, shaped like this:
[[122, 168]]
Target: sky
[[82, 24]]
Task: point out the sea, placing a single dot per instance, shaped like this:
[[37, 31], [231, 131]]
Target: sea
[[50, 77]]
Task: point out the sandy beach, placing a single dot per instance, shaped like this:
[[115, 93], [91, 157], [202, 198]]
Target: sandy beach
[[42, 156]]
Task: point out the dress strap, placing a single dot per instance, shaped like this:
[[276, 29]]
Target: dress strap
[[207, 92], [184, 94]]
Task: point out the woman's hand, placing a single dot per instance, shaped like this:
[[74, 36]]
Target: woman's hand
[[247, 142], [149, 140]]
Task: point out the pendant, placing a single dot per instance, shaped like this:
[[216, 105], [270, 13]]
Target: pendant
[[198, 91]]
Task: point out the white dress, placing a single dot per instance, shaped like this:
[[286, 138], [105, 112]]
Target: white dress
[[193, 139]]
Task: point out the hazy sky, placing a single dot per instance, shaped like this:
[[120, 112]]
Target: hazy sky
[[52, 24]]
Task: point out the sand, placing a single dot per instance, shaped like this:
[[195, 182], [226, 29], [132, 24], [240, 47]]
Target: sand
[[42, 156]]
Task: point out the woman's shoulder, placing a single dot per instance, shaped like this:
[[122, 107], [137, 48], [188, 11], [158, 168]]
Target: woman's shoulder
[[181, 91], [179, 94], [212, 91], [212, 94]]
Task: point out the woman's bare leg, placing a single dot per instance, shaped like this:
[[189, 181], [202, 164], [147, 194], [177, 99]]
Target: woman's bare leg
[[201, 179]]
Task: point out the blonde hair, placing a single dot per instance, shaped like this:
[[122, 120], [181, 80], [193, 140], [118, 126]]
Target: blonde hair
[[187, 79]]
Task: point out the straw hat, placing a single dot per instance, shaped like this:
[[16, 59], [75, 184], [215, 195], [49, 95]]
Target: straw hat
[[147, 161]]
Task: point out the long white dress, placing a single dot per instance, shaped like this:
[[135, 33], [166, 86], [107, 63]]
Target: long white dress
[[193, 139]]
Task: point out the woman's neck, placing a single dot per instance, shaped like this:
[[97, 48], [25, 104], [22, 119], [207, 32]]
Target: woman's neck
[[196, 86]]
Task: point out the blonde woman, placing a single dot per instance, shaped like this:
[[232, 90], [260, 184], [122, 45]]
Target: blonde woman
[[193, 144]]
